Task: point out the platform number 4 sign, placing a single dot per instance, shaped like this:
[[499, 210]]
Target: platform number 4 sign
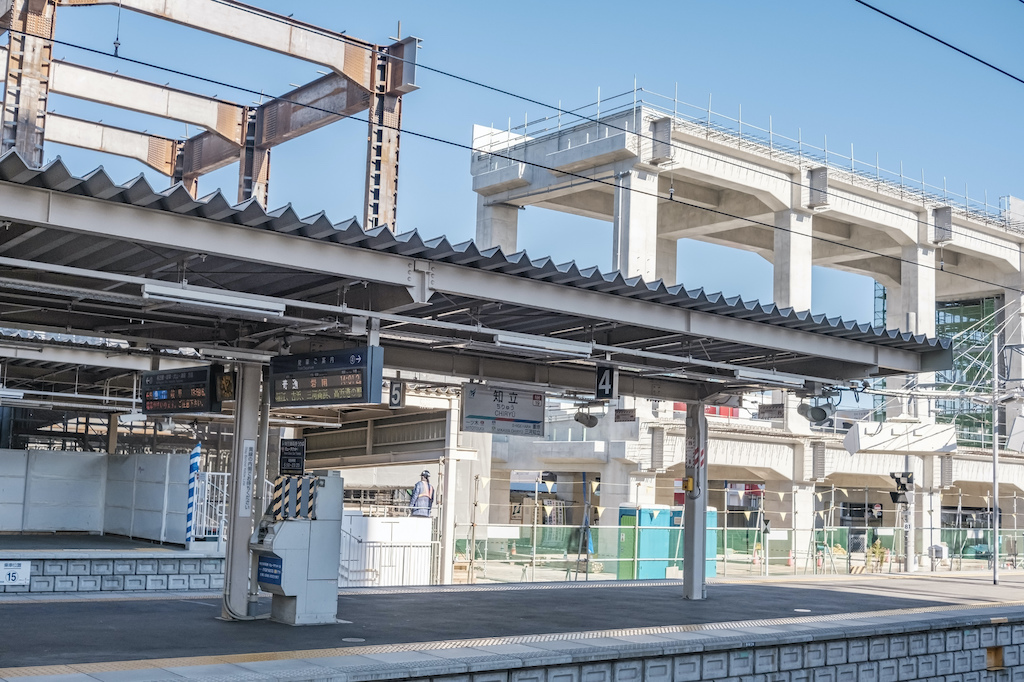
[[607, 387], [14, 572], [396, 396]]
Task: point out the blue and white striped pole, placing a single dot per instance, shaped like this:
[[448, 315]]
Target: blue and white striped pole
[[193, 478]]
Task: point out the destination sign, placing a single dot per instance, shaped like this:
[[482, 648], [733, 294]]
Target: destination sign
[[177, 391], [337, 377]]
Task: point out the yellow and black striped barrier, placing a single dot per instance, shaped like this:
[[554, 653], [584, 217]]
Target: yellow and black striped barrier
[[294, 498]]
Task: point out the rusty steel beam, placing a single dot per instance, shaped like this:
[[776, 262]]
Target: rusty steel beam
[[385, 122], [343, 54], [217, 116], [156, 152], [254, 165], [23, 119], [303, 110]]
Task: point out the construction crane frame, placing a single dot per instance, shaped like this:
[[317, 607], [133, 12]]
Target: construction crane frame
[[364, 77]]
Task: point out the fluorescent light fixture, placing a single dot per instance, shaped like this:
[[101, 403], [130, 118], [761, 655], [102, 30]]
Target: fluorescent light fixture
[[212, 298], [11, 393], [767, 377], [544, 344], [131, 418]]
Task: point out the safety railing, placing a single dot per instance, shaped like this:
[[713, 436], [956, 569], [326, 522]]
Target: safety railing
[[521, 553], [734, 131], [380, 564], [213, 495]]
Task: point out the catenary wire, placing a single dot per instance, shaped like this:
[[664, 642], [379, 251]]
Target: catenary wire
[[351, 41], [940, 40], [558, 108], [611, 184]]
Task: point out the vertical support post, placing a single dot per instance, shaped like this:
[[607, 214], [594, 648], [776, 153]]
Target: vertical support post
[[111, 433], [385, 122], [695, 511], [635, 224], [260, 501], [243, 465], [792, 260], [995, 457], [447, 489], [254, 164], [27, 86]]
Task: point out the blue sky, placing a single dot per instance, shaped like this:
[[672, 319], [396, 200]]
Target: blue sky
[[821, 68]]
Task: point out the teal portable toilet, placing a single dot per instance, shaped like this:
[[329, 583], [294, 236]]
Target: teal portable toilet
[[710, 541], [644, 557]]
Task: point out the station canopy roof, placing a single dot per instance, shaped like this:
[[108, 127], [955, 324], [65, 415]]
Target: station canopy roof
[[152, 272]]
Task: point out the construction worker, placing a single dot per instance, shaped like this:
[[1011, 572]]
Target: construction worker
[[422, 496]]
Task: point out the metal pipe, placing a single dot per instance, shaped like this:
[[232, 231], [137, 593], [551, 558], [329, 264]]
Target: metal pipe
[[995, 458]]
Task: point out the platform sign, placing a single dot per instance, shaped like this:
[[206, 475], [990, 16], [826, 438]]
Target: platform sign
[[293, 456], [15, 572], [268, 570], [606, 383], [773, 411], [335, 377], [502, 410], [178, 391]]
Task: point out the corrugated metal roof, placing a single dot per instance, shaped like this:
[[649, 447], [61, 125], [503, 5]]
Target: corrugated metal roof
[[176, 199]]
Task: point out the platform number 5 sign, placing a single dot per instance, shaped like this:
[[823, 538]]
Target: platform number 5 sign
[[607, 383], [396, 396], [14, 572]]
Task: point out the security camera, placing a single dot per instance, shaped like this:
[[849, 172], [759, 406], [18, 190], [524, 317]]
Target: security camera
[[165, 424], [588, 420]]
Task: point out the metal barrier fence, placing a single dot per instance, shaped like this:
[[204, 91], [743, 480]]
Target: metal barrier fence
[[515, 553], [213, 493], [380, 564]]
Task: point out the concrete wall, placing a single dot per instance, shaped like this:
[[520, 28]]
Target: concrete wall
[[141, 496]]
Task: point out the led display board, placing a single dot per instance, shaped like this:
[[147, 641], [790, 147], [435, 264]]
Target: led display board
[[178, 391], [334, 377]]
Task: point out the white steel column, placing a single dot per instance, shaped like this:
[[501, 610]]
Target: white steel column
[[635, 224], [241, 513], [695, 511], [496, 224], [791, 285], [449, 469], [917, 291], [1013, 355]]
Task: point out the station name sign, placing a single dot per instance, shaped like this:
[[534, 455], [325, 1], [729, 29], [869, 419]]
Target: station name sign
[[177, 391], [335, 377], [502, 410]]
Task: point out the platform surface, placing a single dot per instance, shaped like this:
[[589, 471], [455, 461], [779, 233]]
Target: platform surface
[[85, 637]]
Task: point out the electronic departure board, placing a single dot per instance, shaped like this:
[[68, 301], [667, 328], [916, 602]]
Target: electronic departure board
[[176, 391], [335, 377]]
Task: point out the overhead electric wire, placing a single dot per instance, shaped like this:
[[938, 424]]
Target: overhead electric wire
[[363, 45], [940, 40], [611, 184]]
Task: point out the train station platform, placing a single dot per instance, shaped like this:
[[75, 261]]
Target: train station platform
[[86, 563], [848, 629]]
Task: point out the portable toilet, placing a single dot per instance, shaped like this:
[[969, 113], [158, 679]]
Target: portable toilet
[[645, 555], [710, 542]]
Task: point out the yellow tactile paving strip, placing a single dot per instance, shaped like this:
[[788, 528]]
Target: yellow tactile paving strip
[[114, 666]]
